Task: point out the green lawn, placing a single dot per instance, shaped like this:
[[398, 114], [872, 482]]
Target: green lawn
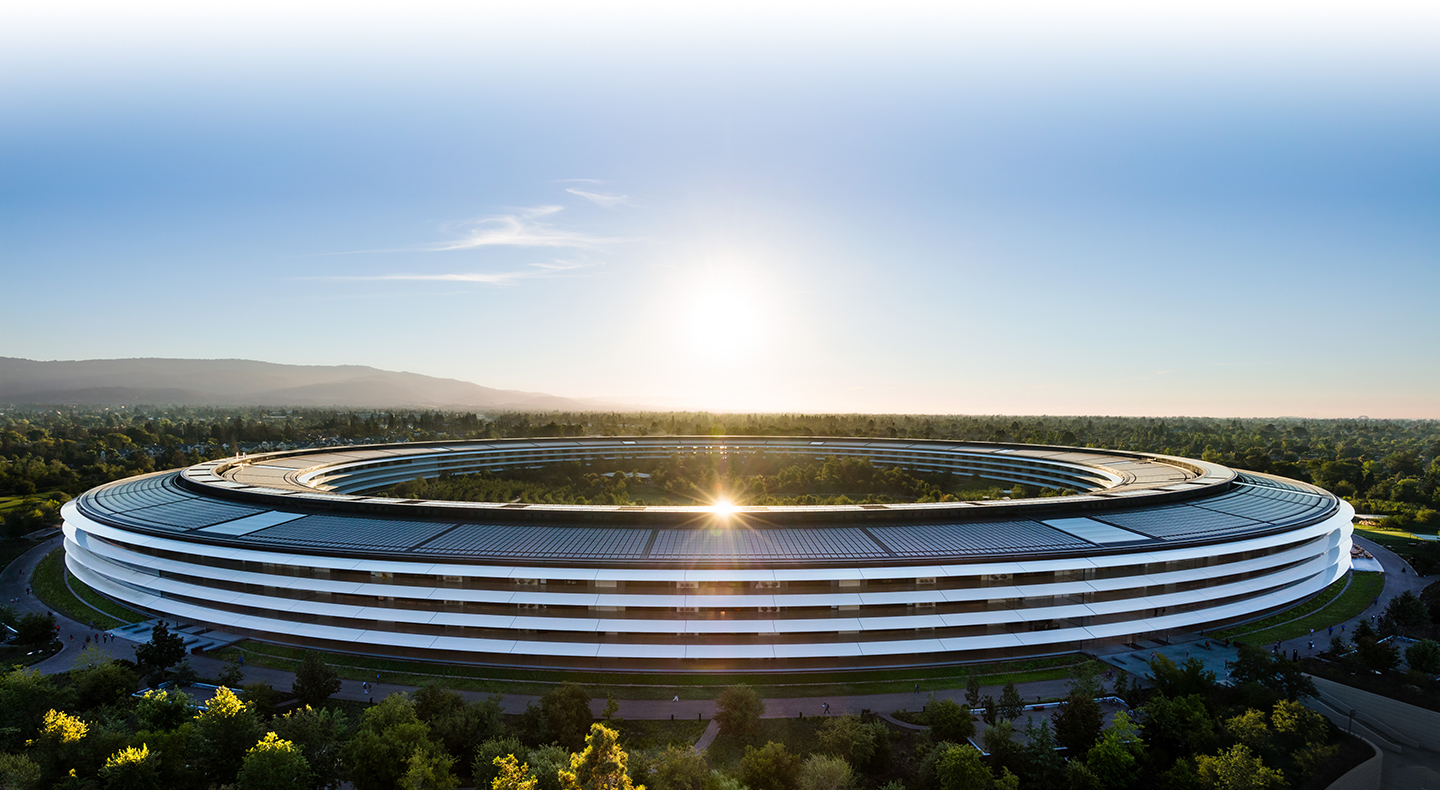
[[659, 733], [49, 584], [1364, 588], [642, 686]]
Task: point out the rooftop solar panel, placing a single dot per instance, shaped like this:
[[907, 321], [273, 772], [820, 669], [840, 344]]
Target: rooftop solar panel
[[974, 537], [354, 532], [773, 544], [517, 540], [1176, 520]]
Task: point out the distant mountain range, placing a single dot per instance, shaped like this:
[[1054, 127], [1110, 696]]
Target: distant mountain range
[[242, 382]]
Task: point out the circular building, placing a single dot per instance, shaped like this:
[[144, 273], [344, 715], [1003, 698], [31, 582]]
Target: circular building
[[289, 548]]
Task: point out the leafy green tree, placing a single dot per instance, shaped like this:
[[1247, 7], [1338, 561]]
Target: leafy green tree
[[99, 681], [739, 711], [261, 697], [273, 763], [315, 682], [950, 722], [990, 710], [379, 753], [679, 768], [1424, 656], [546, 762], [1179, 681], [1278, 674], [485, 769], [1114, 759], [1011, 705], [566, 713], [826, 772], [1179, 726], [859, 744], [226, 730], [18, 771], [603, 765], [164, 650], [972, 691], [771, 767], [318, 735], [162, 710], [456, 723], [1077, 725], [131, 768], [1237, 768], [231, 675], [429, 768], [999, 743], [960, 768], [35, 629], [1041, 765]]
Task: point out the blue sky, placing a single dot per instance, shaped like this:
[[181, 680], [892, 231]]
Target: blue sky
[[1212, 210]]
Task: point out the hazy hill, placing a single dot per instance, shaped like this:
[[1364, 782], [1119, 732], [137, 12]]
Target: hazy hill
[[241, 382]]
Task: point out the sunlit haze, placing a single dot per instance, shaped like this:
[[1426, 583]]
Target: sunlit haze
[[1208, 210]]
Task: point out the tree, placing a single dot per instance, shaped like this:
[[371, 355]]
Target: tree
[[1424, 656], [315, 682], [262, 698], [1237, 768], [1043, 767], [771, 767], [1178, 727], [18, 771], [162, 711], [565, 710], [960, 768], [1011, 705], [231, 675], [485, 769], [379, 753], [859, 744], [510, 774], [429, 768], [227, 728], [163, 651], [679, 768], [131, 768], [826, 772], [273, 763], [949, 721], [317, 734], [972, 691], [739, 711], [1077, 725], [1278, 674], [35, 629], [987, 715], [105, 683], [1113, 760], [603, 765], [1179, 681]]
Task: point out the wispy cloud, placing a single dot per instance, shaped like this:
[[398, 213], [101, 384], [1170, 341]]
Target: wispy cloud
[[602, 200], [524, 228]]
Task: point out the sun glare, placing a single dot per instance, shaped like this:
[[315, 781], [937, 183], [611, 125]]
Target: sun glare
[[723, 507]]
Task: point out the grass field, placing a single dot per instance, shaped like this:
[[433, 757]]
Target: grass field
[[49, 585], [1364, 588], [641, 686]]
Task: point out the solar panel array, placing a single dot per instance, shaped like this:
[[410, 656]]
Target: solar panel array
[[1179, 522], [974, 537], [351, 532], [156, 503], [527, 540], [769, 544], [1268, 504]]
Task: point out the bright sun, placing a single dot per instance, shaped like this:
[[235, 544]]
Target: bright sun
[[723, 507]]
